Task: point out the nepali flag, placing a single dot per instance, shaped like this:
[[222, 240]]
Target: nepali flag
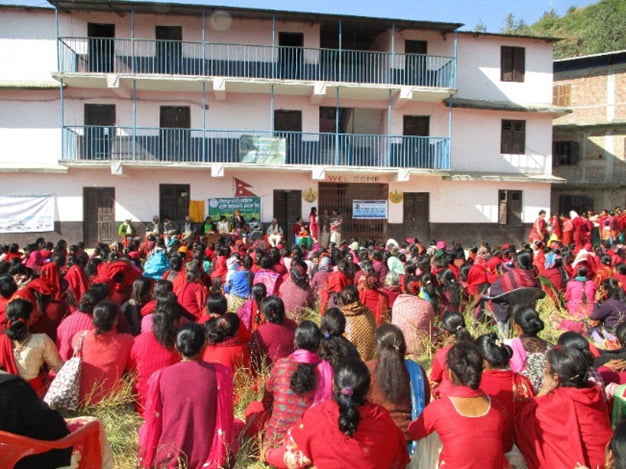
[[241, 189]]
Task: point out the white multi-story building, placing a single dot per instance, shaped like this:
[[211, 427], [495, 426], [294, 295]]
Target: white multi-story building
[[125, 109]]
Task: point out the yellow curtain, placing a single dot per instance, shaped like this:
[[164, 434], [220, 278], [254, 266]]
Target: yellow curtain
[[196, 210]]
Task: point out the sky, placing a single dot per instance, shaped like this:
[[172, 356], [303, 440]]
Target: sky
[[492, 13]]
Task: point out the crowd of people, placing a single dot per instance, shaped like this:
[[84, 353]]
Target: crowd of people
[[330, 334]]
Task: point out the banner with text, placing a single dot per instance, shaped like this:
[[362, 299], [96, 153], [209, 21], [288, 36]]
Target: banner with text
[[369, 209], [248, 206], [26, 213], [262, 150]]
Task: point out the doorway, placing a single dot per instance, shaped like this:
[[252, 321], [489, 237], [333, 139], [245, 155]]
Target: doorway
[[169, 49], [174, 201], [288, 125], [416, 215], [340, 197], [287, 207], [291, 55], [100, 47], [99, 131], [98, 215], [415, 62], [174, 123]]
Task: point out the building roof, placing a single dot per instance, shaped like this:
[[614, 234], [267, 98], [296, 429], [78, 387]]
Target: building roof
[[604, 59], [488, 105], [181, 8], [510, 36]]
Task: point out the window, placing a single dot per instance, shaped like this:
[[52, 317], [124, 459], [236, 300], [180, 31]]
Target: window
[[561, 95], [512, 63], [416, 126], [513, 137], [564, 153], [509, 207]]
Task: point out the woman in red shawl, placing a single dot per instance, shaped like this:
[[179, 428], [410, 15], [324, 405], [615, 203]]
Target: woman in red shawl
[[347, 430], [375, 299], [196, 428], [335, 282], [567, 424], [77, 281], [227, 342], [48, 312], [250, 313], [193, 294]]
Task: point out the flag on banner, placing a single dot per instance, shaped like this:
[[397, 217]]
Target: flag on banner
[[241, 189]]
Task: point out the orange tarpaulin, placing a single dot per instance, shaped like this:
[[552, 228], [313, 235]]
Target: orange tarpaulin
[[196, 210]]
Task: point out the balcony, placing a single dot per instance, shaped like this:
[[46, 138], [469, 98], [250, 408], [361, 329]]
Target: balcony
[[168, 145], [137, 57]]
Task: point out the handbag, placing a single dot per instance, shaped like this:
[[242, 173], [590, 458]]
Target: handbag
[[64, 391]]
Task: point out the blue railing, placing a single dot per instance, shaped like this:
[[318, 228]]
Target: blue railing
[[102, 143], [141, 56]]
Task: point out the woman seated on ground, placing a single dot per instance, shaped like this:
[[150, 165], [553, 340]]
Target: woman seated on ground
[[250, 312], [295, 384], [347, 429], [360, 323], [295, 291], [469, 423], [154, 349], [24, 353], [567, 424], [334, 347], [106, 355], [196, 431], [610, 308], [508, 387], [529, 350], [580, 299], [274, 339], [580, 343], [225, 344], [398, 385], [140, 296]]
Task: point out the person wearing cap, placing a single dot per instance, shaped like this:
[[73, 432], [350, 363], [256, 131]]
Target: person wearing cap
[[274, 233], [126, 231]]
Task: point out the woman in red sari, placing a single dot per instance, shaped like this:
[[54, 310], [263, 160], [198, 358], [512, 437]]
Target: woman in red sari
[[375, 299], [192, 295], [347, 430], [195, 429], [77, 281], [335, 282], [567, 424]]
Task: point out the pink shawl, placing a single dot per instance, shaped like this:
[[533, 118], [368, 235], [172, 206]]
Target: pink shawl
[[518, 360], [324, 387]]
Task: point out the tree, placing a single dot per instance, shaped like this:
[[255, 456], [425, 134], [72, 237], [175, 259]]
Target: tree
[[480, 27]]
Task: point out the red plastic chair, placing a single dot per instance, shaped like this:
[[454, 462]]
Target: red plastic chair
[[15, 447]]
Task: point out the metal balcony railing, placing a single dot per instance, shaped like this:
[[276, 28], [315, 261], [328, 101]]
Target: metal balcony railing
[[103, 143], [184, 58]]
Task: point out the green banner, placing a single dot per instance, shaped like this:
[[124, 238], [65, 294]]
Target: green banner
[[248, 206]]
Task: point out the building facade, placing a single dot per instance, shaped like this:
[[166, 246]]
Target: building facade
[[133, 109], [589, 143]]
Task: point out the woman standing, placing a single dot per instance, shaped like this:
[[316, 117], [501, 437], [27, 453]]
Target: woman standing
[[567, 424], [470, 426], [24, 353], [195, 429], [314, 226]]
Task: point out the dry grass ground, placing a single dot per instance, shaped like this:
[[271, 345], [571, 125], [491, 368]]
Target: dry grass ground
[[122, 422]]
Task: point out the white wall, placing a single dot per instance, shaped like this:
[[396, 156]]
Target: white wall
[[27, 45], [478, 69]]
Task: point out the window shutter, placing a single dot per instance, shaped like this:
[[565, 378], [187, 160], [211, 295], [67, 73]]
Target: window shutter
[[519, 63], [506, 64]]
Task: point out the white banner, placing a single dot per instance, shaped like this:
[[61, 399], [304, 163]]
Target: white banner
[[26, 213], [369, 209]]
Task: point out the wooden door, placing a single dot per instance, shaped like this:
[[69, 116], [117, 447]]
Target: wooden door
[[340, 197], [99, 131], [288, 124], [174, 123], [415, 62], [100, 48], [98, 215], [174, 201], [416, 218], [287, 207], [169, 49]]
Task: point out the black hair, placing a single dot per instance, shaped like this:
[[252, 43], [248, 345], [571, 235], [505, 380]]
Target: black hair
[[7, 286], [163, 286], [190, 339], [18, 314], [614, 289], [349, 294], [273, 309], [141, 288], [164, 323], [307, 337], [391, 373], [266, 262], [101, 290], [620, 332], [352, 381], [465, 361], [216, 304], [617, 445], [524, 260], [578, 342], [453, 322], [334, 347], [570, 365], [221, 328], [176, 262], [89, 300], [497, 355], [529, 321], [104, 316], [258, 292]]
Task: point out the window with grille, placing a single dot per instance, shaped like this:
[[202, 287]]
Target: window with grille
[[561, 95], [513, 137], [564, 153], [512, 63]]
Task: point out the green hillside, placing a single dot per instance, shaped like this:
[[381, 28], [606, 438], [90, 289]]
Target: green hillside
[[597, 28]]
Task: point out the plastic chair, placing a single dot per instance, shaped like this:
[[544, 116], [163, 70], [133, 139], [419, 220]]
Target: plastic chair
[[15, 447]]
